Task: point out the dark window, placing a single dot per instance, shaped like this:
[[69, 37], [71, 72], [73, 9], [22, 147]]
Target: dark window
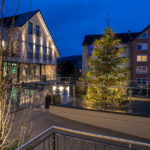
[[37, 30], [141, 69], [44, 53], [139, 46], [37, 52], [30, 51], [141, 81], [50, 55], [30, 28]]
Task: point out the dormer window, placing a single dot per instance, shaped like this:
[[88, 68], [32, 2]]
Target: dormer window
[[37, 30], [30, 28], [144, 35]]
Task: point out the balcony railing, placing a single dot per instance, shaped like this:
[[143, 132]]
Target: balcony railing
[[131, 100], [58, 138]]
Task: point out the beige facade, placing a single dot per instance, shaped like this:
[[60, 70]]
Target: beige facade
[[37, 54]]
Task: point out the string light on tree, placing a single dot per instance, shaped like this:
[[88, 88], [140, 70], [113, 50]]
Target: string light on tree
[[106, 69]]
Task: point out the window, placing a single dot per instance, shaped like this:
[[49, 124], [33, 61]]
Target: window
[[33, 70], [50, 55], [141, 81], [90, 50], [30, 51], [141, 69], [141, 58], [37, 52], [37, 30], [44, 53], [141, 46], [144, 35], [30, 28]]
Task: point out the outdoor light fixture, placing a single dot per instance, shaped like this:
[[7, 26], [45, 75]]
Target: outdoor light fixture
[[53, 46], [54, 88], [67, 88], [3, 43], [61, 88]]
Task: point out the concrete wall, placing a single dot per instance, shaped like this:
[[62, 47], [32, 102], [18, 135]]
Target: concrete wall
[[85, 55]]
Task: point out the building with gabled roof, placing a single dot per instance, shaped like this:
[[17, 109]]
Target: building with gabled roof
[[37, 50]]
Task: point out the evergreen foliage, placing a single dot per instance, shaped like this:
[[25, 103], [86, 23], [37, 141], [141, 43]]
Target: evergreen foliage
[[107, 69]]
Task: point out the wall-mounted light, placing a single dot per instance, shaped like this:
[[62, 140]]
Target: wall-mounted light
[[54, 88], [68, 88], [61, 88]]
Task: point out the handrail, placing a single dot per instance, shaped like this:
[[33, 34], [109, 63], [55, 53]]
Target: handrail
[[88, 85], [37, 137], [53, 128]]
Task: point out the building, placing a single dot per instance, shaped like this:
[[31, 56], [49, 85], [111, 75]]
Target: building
[[75, 61], [36, 49], [137, 50], [140, 57]]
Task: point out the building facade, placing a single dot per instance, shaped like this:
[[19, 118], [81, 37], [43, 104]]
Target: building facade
[[37, 52], [137, 47], [140, 57]]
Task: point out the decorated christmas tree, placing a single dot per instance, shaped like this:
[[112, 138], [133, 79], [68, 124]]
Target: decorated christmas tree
[[107, 70]]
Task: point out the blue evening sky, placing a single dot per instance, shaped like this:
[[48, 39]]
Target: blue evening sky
[[70, 20]]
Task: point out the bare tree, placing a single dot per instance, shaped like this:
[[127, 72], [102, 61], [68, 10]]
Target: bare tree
[[9, 49]]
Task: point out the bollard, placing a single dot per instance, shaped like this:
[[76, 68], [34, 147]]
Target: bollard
[[73, 95], [52, 95], [130, 109], [147, 89]]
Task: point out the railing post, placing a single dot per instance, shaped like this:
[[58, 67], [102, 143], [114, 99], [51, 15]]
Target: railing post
[[53, 141], [130, 109], [52, 94], [130, 146], [147, 89], [74, 95]]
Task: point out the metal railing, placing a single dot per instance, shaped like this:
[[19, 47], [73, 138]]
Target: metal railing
[[136, 100], [58, 138], [37, 78]]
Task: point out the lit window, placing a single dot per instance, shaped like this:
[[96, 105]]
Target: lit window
[[37, 30], [141, 58], [90, 50], [30, 28], [141, 69], [141, 81], [141, 46]]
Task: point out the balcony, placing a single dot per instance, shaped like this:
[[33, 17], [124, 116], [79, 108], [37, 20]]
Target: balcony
[[58, 138]]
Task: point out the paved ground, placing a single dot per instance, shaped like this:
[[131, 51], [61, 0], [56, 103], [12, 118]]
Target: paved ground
[[42, 119], [127, 124]]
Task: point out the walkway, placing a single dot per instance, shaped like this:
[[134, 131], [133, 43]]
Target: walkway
[[129, 127], [127, 124]]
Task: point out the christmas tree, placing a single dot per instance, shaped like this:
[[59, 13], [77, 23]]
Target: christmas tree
[[108, 69]]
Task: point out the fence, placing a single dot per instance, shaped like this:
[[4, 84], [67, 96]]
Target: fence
[[114, 99], [58, 138]]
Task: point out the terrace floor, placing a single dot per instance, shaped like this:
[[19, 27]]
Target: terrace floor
[[37, 120]]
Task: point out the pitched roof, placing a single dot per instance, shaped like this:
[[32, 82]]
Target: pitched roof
[[125, 37], [19, 20]]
